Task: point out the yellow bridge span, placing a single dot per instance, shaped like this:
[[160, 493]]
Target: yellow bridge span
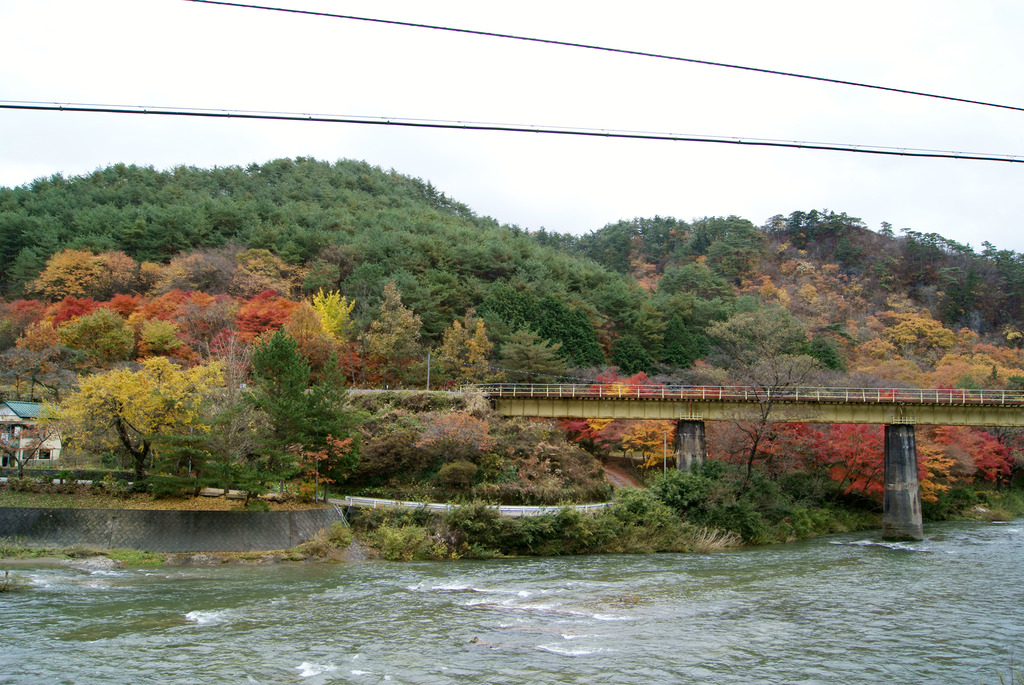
[[942, 407]]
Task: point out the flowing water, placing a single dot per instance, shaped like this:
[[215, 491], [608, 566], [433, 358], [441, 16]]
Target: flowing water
[[839, 609]]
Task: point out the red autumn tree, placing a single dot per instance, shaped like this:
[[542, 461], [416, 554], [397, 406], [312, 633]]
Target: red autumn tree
[[788, 447], [985, 456], [71, 307], [201, 317], [855, 456], [265, 312], [21, 314], [611, 380]]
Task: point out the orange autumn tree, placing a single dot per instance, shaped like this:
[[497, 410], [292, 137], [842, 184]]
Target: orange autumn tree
[[606, 435], [322, 465], [79, 273], [649, 438], [70, 273], [314, 343], [164, 307], [125, 305], [933, 469]]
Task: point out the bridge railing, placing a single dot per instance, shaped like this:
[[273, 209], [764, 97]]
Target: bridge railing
[[743, 393]]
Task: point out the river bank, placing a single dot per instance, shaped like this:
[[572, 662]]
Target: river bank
[[680, 513]]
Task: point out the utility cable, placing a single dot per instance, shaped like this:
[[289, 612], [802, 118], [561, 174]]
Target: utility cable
[[620, 51], [510, 128]]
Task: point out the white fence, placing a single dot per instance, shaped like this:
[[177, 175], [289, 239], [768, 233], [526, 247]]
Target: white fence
[[502, 509]]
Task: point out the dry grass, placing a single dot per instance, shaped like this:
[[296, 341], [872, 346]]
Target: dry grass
[[12, 583], [706, 540]]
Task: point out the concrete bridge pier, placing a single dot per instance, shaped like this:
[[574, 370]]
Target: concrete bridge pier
[[901, 504], [690, 446]]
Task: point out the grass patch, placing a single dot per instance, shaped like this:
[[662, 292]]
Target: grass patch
[[134, 557], [13, 548]]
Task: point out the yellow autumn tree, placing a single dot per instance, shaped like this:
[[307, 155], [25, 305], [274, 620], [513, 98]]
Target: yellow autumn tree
[[918, 333], [335, 312], [75, 273], [125, 409], [463, 354], [80, 273]]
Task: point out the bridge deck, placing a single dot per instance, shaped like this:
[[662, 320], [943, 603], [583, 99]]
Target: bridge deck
[[813, 405]]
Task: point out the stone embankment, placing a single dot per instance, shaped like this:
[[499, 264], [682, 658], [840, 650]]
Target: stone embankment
[[164, 531]]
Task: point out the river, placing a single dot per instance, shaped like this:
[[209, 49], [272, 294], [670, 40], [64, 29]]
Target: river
[[837, 609]]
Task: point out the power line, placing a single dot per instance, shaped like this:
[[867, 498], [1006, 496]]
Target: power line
[[510, 128], [620, 51]]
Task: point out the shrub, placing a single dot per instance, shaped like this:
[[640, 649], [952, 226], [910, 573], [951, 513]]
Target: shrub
[[458, 474], [742, 518], [339, 534], [683, 490], [642, 507], [25, 484], [169, 487], [405, 543], [307, 491]]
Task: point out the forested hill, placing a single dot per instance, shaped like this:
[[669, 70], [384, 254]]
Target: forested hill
[[657, 295], [346, 226]]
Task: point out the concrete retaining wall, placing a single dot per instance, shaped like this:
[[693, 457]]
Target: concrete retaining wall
[[163, 531]]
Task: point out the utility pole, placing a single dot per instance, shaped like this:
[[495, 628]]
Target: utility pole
[[664, 460]]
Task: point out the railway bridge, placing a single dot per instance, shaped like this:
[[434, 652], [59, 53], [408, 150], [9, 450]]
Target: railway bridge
[[898, 409]]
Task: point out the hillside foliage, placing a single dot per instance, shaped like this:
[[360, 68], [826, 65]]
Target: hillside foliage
[[343, 274]]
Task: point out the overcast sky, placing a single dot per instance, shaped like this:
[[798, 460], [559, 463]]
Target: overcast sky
[[175, 53]]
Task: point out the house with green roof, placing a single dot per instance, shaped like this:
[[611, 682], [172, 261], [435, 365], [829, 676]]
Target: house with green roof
[[25, 438]]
